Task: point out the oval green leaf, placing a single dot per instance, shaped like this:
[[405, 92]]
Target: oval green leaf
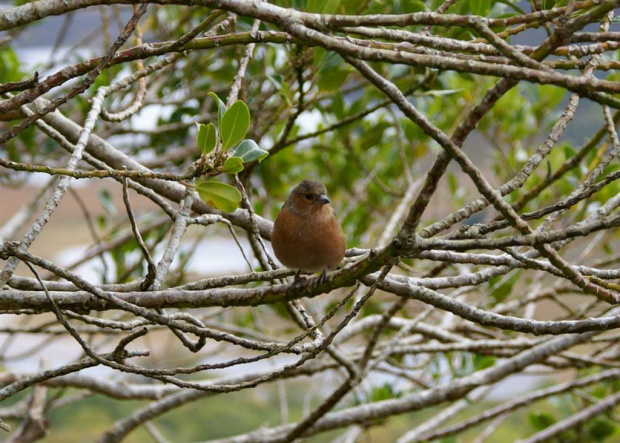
[[235, 124], [233, 165], [332, 80], [409, 6], [105, 198], [249, 151], [206, 137], [219, 195], [221, 108]]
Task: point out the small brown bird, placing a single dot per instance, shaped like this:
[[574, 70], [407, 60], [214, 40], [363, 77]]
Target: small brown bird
[[306, 234]]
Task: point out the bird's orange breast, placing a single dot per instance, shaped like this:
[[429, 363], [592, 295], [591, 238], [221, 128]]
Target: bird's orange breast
[[308, 241]]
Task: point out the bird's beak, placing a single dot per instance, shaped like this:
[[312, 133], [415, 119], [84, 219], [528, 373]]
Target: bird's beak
[[323, 199]]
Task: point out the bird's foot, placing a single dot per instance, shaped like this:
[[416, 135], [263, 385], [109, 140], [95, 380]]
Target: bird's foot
[[297, 280]]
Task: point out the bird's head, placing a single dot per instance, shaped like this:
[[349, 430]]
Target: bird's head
[[308, 197]]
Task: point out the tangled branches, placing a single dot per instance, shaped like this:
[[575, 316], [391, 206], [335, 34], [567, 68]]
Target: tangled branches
[[483, 234]]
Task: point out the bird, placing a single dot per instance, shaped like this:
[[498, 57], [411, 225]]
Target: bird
[[306, 234]]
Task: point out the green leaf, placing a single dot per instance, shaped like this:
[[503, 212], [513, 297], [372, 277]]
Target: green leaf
[[221, 108], [9, 65], [276, 80], [383, 392], [233, 165], [322, 6], [219, 195], [330, 81], [282, 87], [409, 6], [105, 198], [483, 361], [600, 428], [102, 221], [249, 151], [501, 286], [540, 420], [453, 183], [206, 137], [338, 105], [235, 124], [330, 6]]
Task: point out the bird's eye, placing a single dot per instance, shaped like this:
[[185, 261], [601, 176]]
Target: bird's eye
[[308, 196]]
